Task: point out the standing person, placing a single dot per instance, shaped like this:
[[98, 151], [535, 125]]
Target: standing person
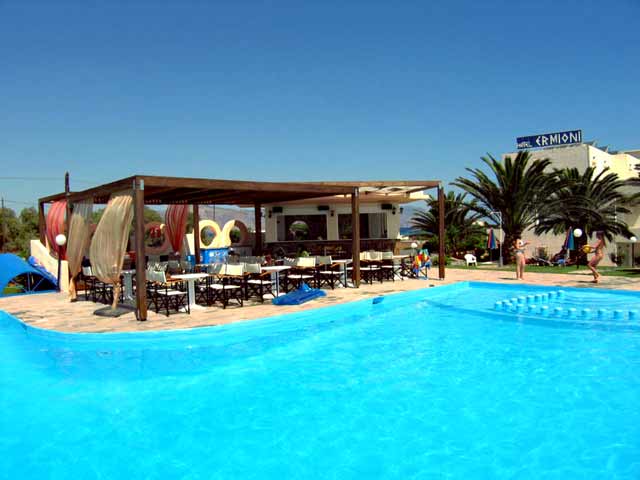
[[518, 246], [598, 255]]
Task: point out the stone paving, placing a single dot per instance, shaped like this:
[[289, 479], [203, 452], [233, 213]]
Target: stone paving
[[53, 311]]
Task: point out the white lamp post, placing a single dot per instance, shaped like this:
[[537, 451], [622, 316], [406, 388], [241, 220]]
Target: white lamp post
[[633, 251], [414, 246], [61, 240]]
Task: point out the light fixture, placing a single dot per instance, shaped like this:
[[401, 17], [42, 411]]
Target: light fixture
[[577, 233], [61, 239], [633, 239], [401, 210], [414, 245], [393, 210], [332, 212]]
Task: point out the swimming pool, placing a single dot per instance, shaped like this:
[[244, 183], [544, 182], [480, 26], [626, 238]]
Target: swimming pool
[[427, 384]]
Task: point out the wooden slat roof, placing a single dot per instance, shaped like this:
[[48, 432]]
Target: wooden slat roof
[[176, 190]]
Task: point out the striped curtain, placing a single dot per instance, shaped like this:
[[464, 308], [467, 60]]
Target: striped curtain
[[55, 226], [175, 219]]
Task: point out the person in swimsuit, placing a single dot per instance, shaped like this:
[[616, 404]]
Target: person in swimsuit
[[518, 246], [598, 255]]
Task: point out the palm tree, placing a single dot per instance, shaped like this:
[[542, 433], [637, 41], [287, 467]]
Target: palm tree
[[461, 228], [517, 189], [587, 200]]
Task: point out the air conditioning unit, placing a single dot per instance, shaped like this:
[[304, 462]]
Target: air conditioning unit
[[276, 209], [323, 208], [386, 206]]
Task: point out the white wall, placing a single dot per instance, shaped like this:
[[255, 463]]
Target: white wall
[[271, 224]]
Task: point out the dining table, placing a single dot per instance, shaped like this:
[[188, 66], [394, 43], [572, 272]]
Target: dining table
[[191, 286], [275, 270]]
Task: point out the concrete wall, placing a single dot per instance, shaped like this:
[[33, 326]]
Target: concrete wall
[[272, 222], [574, 156]]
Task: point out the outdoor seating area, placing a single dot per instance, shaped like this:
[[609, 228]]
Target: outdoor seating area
[[178, 286], [122, 266]]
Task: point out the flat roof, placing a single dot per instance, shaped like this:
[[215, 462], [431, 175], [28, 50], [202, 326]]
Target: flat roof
[[204, 191]]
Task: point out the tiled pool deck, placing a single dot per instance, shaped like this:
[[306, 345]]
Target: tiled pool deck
[[53, 311]]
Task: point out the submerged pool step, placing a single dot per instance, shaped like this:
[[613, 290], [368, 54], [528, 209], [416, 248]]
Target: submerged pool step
[[539, 304]]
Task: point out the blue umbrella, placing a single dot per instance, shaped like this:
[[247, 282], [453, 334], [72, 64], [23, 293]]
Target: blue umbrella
[[491, 241], [569, 242]]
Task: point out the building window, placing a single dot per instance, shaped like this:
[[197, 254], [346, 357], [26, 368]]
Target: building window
[[372, 225], [302, 227]]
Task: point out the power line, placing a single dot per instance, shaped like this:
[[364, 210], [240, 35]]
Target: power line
[[20, 203], [46, 179]]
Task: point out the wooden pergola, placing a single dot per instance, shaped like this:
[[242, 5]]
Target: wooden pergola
[[156, 190]]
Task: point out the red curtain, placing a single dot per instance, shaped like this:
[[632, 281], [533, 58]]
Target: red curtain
[[175, 219], [55, 225]]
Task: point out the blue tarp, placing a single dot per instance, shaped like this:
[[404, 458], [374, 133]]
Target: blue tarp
[[12, 266]]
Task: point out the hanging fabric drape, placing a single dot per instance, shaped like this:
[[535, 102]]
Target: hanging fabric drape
[[109, 242], [55, 225], [78, 242], [175, 219]]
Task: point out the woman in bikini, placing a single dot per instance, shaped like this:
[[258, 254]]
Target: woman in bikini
[[518, 246], [598, 255]]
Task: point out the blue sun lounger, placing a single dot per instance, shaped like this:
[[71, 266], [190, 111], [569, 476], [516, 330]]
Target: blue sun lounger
[[297, 297]]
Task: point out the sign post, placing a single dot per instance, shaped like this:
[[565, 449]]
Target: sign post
[[550, 139]]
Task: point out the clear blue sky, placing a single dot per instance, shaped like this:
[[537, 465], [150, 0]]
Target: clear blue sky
[[303, 90]]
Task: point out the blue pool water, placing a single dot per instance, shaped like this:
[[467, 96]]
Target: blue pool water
[[426, 384]]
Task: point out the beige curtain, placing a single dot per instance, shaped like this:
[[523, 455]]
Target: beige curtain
[[110, 240], [78, 243]]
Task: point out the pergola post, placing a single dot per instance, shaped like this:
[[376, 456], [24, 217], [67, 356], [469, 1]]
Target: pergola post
[[441, 233], [258, 225], [67, 193], [196, 233], [355, 236], [42, 224], [141, 277]]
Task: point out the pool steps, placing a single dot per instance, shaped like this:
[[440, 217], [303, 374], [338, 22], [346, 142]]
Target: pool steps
[[538, 304]]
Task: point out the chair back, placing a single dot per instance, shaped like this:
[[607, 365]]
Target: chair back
[[86, 271], [324, 260], [252, 268], [215, 268], [364, 255], [289, 262], [387, 255], [235, 270], [376, 256], [470, 257], [306, 262]]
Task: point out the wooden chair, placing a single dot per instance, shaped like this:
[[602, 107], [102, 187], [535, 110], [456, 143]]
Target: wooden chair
[[304, 271], [328, 273], [227, 285], [257, 282], [165, 293]]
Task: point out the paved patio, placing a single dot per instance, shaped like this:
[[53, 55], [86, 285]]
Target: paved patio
[[53, 311]]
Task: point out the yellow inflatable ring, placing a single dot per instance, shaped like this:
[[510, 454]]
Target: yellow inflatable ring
[[586, 249]]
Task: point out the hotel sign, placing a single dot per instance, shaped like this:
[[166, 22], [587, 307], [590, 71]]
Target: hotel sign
[[550, 139]]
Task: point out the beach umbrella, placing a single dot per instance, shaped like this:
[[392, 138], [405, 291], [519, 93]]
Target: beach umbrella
[[491, 241], [569, 242]]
